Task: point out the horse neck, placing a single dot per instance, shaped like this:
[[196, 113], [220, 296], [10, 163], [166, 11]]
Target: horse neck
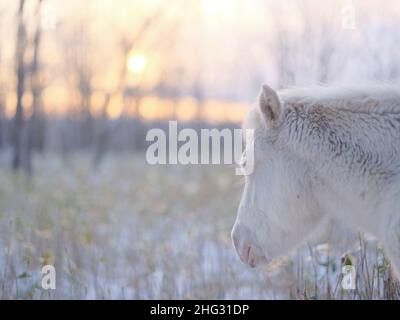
[[348, 142], [350, 155]]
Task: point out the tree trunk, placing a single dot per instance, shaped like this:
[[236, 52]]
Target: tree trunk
[[2, 140], [36, 122], [102, 138], [20, 69]]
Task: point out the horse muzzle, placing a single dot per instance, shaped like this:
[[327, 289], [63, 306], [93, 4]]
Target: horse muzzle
[[246, 247]]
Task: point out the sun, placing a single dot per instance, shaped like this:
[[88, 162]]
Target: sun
[[136, 63]]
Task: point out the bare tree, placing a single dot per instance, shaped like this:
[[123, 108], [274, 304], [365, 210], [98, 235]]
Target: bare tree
[[317, 43], [2, 103], [284, 49], [21, 44], [37, 133], [79, 67], [35, 124], [103, 132], [84, 70]]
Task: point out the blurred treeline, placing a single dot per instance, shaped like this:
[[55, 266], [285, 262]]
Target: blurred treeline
[[94, 76]]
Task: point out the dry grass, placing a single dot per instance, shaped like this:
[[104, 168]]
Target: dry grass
[[374, 279], [131, 231]]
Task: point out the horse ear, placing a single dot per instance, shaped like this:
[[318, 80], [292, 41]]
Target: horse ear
[[269, 104]]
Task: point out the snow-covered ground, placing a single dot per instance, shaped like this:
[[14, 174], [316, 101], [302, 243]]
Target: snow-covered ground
[[134, 231]]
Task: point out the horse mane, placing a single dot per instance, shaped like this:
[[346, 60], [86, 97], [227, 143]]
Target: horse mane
[[382, 98], [374, 99], [357, 126]]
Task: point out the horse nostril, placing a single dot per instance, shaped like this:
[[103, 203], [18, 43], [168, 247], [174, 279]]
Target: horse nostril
[[246, 253], [246, 247]]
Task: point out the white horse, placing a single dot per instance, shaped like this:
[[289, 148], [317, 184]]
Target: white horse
[[321, 153]]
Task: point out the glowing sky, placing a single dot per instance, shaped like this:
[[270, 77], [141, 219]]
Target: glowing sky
[[220, 44]]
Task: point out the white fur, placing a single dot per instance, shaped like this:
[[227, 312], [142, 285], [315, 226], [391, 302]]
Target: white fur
[[335, 153]]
